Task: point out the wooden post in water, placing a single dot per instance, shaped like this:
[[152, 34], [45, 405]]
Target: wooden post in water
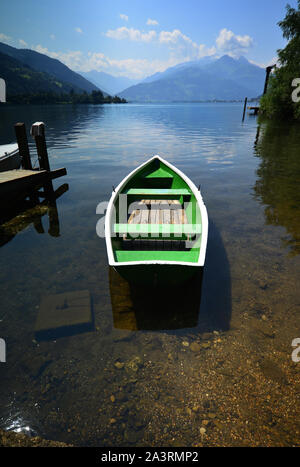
[[38, 133], [268, 71], [245, 105], [22, 141]]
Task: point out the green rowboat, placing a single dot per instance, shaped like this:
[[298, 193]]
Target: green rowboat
[[156, 225]]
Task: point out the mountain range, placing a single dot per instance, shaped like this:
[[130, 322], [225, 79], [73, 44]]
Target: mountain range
[[26, 71], [210, 78], [22, 80], [110, 84]]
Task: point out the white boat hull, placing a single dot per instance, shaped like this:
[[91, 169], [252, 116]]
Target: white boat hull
[[9, 157]]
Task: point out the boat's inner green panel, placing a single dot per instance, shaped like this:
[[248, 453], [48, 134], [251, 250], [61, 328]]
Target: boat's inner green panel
[[156, 181]]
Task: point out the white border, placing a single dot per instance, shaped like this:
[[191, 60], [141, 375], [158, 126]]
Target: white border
[[201, 204]]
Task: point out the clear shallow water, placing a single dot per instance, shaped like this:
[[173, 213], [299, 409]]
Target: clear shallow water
[[213, 354]]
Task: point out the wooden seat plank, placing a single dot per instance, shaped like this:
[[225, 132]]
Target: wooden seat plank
[[166, 216], [159, 191], [155, 212], [145, 215]]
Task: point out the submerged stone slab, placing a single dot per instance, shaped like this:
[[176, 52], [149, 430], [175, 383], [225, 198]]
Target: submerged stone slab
[[64, 314]]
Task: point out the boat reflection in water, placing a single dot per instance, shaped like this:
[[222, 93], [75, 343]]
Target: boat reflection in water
[[203, 302], [137, 307]]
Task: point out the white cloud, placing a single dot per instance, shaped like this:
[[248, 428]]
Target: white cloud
[[5, 38], [132, 68], [274, 61], [180, 46], [124, 17], [43, 50], [73, 59], [23, 43], [137, 68], [233, 44], [152, 22], [79, 30], [95, 61], [183, 46], [131, 34]]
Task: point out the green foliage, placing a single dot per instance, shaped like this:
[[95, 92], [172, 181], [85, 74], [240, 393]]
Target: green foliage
[[278, 103], [50, 97], [21, 79]]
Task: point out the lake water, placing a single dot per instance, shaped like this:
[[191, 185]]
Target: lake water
[[215, 353]]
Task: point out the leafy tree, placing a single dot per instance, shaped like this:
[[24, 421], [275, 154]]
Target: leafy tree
[[51, 97], [278, 100]]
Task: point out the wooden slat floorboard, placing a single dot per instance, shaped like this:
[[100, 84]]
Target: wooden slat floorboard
[[156, 212]]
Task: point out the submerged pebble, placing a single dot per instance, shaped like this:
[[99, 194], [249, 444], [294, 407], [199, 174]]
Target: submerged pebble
[[195, 347], [134, 364], [119, 365]]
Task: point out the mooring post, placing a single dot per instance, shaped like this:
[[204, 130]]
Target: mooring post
[[22, 141], [268, 71], [245, 105], [38, 133]]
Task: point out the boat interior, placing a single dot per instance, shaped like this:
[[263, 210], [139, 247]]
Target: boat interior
[[158, 218]]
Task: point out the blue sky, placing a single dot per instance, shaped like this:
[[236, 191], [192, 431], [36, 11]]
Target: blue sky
[[136, 38]]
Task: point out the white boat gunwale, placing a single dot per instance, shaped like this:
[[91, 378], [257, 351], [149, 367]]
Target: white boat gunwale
[[204, 219], [10, 158], [8, 150]]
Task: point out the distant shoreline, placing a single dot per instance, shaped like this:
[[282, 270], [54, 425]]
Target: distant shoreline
[[2, 104], [193, 102], [130, 102], [48, 97]]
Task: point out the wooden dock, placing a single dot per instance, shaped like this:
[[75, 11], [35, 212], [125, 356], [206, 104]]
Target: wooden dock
[[14, 181], [254, 108], [20, 183]]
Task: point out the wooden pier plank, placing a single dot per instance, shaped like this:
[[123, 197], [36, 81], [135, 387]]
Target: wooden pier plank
[[17, 181], [10, 175]]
